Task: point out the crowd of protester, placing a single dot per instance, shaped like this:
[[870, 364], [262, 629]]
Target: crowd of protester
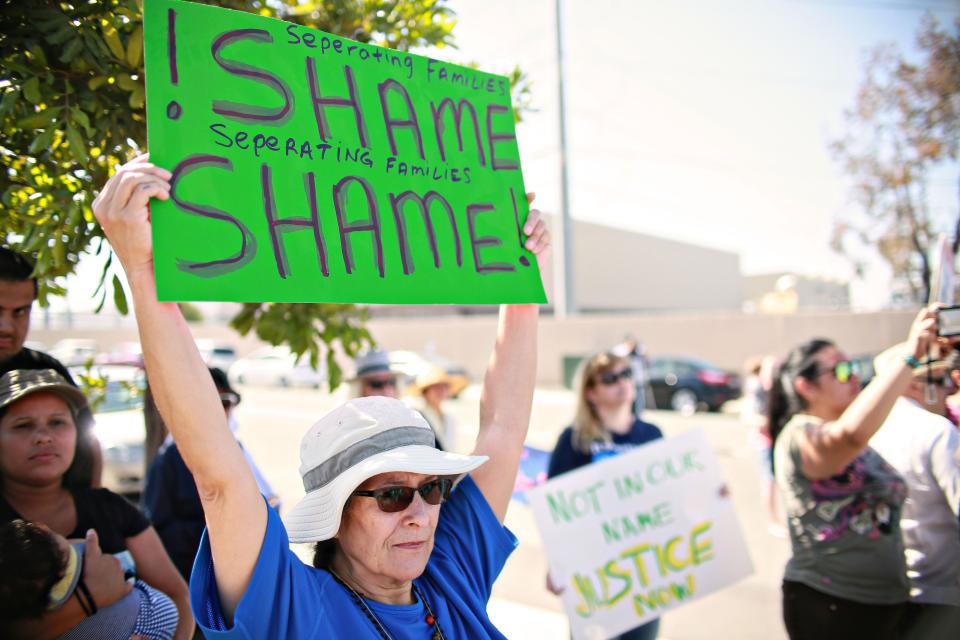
[[864, 481]]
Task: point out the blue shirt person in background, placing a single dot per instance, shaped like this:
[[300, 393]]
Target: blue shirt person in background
[[604, 426]]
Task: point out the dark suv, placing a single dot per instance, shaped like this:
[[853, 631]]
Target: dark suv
[[687, 384]]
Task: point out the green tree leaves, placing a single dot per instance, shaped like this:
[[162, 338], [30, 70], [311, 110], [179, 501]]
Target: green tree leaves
[[72, 109], [906, 121]]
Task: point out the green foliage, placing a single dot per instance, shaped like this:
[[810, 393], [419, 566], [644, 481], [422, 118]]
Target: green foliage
[[905, 122], [191, 312], [72, 109]]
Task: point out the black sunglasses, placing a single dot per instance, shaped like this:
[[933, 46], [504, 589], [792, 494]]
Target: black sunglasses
[[393, 499], [612, 377], [380, 384]]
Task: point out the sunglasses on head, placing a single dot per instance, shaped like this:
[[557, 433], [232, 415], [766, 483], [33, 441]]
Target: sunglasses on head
[[612, 377], [843, 370], [393, 499], [380, 384]]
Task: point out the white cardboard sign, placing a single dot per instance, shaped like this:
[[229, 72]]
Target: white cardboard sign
[[634, 536]]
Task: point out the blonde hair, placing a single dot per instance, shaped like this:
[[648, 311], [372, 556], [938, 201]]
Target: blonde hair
[[587, 427]]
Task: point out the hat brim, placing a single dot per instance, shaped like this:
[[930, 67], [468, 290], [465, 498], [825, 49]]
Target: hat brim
[[70, 394], [317, 516], [373, 373], [457, 383], [64, 587]]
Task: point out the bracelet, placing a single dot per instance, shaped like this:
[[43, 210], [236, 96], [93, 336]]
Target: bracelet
[[912, 362], [91, 603], [83, 605]]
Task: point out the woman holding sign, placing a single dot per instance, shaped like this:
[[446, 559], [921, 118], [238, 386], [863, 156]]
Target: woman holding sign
[[390, 563], [847, 577], [605, 425]]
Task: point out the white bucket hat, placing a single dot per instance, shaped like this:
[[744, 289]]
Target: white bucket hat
[[354, 442]]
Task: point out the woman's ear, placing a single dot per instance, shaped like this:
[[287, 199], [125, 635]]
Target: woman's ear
[[806, 389]]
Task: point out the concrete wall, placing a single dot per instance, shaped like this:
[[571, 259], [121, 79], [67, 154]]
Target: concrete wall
[[727, 339], [724, 339], [616, 269], [812, 293]]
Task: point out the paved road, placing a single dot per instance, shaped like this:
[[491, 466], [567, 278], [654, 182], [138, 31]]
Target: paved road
[[273, 420]]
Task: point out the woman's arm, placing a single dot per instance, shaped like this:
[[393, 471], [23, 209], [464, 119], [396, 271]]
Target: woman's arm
[[826, 449], [507, 395], [156, 569], [185, 394]]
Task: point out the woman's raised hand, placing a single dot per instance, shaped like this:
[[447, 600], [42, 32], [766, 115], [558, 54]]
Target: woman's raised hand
[[538, 237], [923, 332], [122, 209]]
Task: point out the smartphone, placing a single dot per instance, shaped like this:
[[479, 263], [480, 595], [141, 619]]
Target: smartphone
[[948, 321]]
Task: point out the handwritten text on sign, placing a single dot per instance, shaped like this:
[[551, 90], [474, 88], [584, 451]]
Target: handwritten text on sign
[[633, 536], [309, 167]]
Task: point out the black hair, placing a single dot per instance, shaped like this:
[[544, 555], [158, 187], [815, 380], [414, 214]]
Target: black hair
[[16, 267], [324, 552], [79, 475], [31, 562], [784, 401]]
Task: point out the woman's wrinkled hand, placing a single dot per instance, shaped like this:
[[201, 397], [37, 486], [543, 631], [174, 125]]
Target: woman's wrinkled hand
[[122, 209], [538, 236]]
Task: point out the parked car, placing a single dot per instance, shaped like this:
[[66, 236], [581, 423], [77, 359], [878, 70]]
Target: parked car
[[217, 354], [277, 366], [116, 394], [687, 384], [128, 353], [74, 351]]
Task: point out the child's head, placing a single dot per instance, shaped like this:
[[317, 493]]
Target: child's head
[[38, 570]]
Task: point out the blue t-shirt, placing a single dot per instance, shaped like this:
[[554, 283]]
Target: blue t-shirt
[[289, 599], [566, 458]]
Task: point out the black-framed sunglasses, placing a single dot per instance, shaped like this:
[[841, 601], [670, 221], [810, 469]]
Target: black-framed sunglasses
[[843, 371], [381, 384], [612, 377], [393, 499]]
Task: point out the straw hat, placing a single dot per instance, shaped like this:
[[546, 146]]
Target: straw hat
[[438, 375], [356, 441]]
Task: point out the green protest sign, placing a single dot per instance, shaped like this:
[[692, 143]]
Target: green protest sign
[[308, 167]]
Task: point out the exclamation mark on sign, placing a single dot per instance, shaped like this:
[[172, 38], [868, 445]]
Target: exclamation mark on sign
[[516, 216], [173, 109]]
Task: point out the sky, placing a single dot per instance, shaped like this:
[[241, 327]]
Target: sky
[[705, 121]]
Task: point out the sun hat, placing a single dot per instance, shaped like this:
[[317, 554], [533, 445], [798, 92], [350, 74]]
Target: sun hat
[[372, 362], [899, 352], [20, 383], [438, 375], [64, 587], [356, 441]]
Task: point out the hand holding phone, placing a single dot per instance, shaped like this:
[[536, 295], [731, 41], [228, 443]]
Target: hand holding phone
[[948, 321]]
